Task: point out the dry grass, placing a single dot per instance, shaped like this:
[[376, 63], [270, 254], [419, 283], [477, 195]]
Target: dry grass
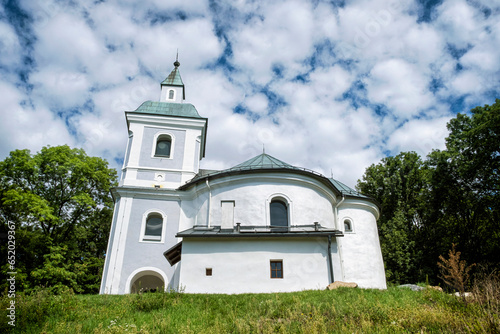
[[486, 294]]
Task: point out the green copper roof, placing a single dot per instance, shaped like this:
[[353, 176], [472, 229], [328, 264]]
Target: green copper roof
[[265, 162], [168, 109], [262, 161], [174, 78], [345, 190]]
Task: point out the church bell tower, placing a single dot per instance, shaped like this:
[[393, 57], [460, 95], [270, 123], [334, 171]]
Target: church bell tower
[[165, 145], [166, 139]]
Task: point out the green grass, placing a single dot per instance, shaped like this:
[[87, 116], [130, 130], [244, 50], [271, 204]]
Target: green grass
[[395, 310]]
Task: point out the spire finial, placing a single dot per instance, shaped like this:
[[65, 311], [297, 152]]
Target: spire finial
[[176, 63], [263, 148]]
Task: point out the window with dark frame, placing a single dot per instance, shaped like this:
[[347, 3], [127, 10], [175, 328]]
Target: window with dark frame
[[153, 228], [279, 213], [347, 225], [163, 145], [208, 271], [276, 268]]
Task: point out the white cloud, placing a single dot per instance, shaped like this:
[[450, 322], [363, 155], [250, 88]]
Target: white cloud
[[61, 88], [156, 46], [423, 45], [331, 82], [68, 41], [257, 103], [265, 40], [467, 82], [24, 127], [400, 86], [309, 72], [420, 135], [9, 46], [459, 22], [485, 59]]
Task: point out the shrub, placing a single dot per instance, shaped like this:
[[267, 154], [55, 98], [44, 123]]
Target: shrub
[[454, 272]]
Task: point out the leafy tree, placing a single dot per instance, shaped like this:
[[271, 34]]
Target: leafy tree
[[58, 199], [464, 201], [398, 184], [450, 198], [57, 271]]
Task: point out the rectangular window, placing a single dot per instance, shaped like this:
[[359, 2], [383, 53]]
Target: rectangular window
[[276, 268], [208, 271]]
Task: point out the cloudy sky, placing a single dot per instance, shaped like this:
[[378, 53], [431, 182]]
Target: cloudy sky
[[332, 86]]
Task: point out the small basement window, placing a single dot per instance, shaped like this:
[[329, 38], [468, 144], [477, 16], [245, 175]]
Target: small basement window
[[208, 271], [276, 268]]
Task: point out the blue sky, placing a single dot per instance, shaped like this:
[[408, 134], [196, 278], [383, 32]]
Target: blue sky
[[332, 86]]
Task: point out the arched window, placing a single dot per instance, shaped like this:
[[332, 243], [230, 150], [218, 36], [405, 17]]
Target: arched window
[[171, 94], [163, 145], [153, 228], [279, 213], [347, 225]]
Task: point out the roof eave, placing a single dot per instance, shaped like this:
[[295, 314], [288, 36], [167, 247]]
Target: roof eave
[[319, 177], [259, 171], [255, 234]]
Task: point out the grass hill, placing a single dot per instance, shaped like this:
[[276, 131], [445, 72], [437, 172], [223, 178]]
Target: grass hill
[[394, 310]]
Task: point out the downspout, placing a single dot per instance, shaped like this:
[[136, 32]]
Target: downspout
[[209, 200], [339, 243], [330, 263], [337, 210]]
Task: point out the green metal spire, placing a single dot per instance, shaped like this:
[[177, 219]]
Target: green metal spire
[[262, 161], [174, 78]]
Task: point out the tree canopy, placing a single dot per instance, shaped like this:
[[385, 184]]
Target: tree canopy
[[59, 200], [452, 197]]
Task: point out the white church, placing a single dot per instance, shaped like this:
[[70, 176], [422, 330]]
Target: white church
[[260, 226]]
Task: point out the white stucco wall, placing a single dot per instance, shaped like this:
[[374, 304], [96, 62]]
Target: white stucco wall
[[178, 94], [361, 253], [356, 256], [142, 168], [243, 265], [308, 201], [127, 252]]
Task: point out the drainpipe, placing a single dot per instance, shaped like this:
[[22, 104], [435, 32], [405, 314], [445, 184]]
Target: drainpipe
[[209, 200], [339, 243], [337, 210], [330, 263]]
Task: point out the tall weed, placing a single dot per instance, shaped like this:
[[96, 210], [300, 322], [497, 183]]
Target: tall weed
[[455, 272], [486, 293]]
